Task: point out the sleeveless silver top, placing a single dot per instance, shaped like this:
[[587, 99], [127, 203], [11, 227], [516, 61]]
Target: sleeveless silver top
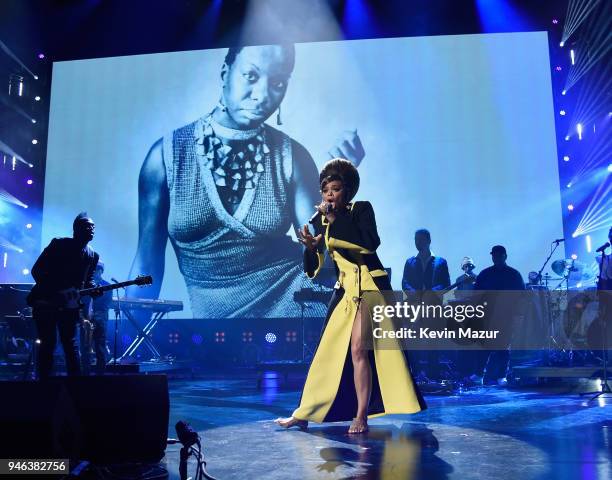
[[240, 265]]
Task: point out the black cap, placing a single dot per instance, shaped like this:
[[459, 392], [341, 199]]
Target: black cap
[[498, 249]]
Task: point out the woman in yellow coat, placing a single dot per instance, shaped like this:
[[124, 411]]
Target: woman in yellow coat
[[347, 380]]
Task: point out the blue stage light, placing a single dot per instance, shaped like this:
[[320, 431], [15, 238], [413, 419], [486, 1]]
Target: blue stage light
[[270, 337], [589, 245], [197, 339]]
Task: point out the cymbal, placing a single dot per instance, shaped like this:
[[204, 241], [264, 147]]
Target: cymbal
[[559, 267], [574, 269]]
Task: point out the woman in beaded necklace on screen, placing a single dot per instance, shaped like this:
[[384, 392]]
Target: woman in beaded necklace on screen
[[226, 189]]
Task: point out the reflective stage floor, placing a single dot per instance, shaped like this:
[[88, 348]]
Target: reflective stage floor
[[483, 433]]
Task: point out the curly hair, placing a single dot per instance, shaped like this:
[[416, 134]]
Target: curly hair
[[233, 52], [344, 171]]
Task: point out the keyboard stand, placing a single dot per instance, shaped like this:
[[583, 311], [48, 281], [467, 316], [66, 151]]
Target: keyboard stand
[[143, 334]]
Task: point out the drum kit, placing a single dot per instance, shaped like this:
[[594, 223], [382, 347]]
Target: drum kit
[[571, 275], [571, 305]]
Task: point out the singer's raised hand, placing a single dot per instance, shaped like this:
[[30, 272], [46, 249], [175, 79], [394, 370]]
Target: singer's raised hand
[[328, 209], [323, 207], [348, 145], [307, 239]]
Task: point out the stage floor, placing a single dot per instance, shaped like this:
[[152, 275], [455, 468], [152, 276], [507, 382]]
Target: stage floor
[[482, 433]]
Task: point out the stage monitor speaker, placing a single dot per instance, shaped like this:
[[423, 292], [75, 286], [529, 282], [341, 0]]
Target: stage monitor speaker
[[108, 419]]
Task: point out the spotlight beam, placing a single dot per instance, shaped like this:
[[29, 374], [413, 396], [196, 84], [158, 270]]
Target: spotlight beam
[[7, 245], [598, 212], [9, 151], [16, 108], [14, 57], [580, 69], [596, 156], [592, 98], [577, 12], [594, 43], [8, 198]]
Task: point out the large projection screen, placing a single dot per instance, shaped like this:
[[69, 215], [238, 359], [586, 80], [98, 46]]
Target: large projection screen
[[458, 133]]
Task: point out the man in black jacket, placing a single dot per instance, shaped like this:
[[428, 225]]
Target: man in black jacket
[[66, 263], [493, 364]]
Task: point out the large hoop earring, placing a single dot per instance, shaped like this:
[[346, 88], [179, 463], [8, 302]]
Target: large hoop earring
[[221, 106], [278, 117]]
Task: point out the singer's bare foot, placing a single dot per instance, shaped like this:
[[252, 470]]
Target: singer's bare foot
[[358, 425], [292, 422]]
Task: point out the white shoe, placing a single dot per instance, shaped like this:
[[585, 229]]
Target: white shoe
[[502, 382]]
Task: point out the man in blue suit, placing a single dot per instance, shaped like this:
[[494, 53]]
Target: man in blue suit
[[425, 271]]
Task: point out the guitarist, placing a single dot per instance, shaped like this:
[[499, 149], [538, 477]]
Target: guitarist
[[65, 263]]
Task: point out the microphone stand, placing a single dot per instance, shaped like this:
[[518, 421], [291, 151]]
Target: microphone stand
[[551, 333], [117, 322], [552, 250], [603, 311]]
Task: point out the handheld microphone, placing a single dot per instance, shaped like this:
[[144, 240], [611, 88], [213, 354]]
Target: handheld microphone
[[317, 214], [603, 247], [113, 279], [559, 240]]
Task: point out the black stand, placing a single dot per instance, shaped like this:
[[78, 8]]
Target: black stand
[[605, 387], [32, 361], [143, 335], [552, 250], [117, 321], [551, 332], [200, 472]]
